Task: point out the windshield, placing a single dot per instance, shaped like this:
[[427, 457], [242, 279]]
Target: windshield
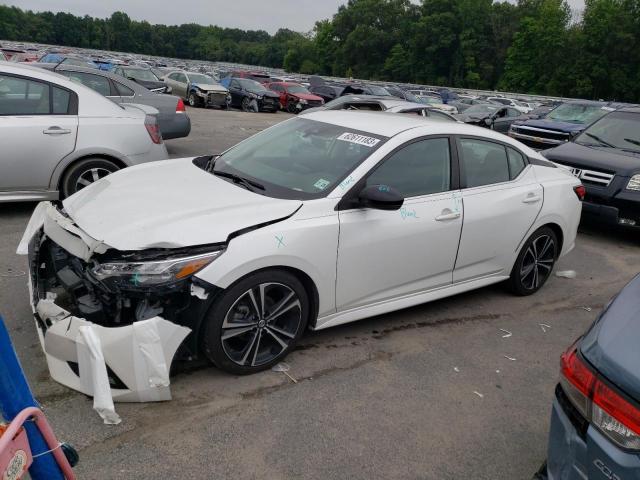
[[297, 89], [411, 97], [577, 113], [199, 78], [430, 100], [379, 91], [617, 130], [481, 109], [251, 85], [140, 74], [299, 158]]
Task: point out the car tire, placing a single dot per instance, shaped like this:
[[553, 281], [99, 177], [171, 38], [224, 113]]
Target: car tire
[[291, 108], [535, 262], [241, 339], [246, 101], [84, 173], [193, 100]]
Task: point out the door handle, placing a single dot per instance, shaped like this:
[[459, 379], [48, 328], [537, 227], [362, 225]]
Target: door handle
[[447, 215], [532, 198], [56, 131]]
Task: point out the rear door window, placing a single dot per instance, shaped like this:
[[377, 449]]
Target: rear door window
[[516, 162], [483, 163], [20, 96], [60, 101]]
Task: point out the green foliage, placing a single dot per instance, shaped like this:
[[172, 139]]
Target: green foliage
[[533, 46]]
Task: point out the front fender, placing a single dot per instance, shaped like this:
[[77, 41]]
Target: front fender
[[308, 245]]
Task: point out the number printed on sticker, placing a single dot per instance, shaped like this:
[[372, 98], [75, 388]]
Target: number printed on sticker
[[359, 139]]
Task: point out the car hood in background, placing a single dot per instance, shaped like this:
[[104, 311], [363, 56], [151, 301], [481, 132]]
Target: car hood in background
[[611, 345], [262, 93], [554, 125], [470, 118], [595, 157], [307, 96], [169, 204], [210, 87]]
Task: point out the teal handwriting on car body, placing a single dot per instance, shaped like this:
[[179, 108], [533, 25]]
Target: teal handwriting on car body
[[406, 213]]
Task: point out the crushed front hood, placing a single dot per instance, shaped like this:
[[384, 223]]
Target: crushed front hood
[[169, 204]]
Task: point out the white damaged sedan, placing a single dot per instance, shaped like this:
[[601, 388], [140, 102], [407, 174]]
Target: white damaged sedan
[[315, 222]]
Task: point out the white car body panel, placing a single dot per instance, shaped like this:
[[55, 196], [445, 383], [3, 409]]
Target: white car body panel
[[496, 208], [393, 256]]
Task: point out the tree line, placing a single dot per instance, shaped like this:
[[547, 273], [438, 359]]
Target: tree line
[[532, 46]]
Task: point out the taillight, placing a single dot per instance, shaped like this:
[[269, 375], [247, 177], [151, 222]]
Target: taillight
[[580, 192], [601, 404], [180, 107], [151, 124]]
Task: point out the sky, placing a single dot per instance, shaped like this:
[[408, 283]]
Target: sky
[[298, 15]]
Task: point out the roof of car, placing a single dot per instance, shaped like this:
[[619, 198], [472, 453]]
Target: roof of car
[[389, 125]]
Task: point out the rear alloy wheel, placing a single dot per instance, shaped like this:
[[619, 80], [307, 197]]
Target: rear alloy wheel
[[535, 262], [84, 173], [256, 322]]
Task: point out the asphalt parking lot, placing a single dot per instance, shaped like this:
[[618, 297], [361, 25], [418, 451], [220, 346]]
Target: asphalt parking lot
[[423, 393]]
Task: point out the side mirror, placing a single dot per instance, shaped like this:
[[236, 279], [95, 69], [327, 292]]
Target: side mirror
[[488, 121], [381, 197]]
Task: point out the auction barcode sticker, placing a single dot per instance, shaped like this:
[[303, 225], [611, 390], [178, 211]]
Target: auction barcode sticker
[[359, 139]]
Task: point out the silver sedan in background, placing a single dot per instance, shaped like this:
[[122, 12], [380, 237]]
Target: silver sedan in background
[[172, 117], [58, 136]]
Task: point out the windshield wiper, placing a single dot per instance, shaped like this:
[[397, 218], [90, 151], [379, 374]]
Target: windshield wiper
[[248, 184], [632, 141], [599, 140]]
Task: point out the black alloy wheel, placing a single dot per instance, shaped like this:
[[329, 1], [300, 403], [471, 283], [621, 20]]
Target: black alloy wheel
[[535, 262], [256, 322]]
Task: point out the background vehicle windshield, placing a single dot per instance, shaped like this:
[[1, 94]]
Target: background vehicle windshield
[[481, 109], [251, 85], [618, 129], [576, 113], [410, 97], [140, 74], [199, 78], [430, 100], [379, 91], [299, 158], [297, 89]]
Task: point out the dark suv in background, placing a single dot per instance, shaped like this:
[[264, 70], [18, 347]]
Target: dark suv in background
[[560, 125], [606, 157]]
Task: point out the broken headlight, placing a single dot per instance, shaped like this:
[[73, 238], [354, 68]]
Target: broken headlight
[[157, 272]]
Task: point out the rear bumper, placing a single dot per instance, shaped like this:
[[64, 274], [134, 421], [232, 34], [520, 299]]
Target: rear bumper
[[177, 125], [156, 152], [621, 210], [578, 451]]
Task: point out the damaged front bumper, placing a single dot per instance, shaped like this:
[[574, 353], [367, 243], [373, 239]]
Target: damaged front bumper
[[137, 328]]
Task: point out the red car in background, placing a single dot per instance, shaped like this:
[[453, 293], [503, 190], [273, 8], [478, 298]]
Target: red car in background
[[294, 97]]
